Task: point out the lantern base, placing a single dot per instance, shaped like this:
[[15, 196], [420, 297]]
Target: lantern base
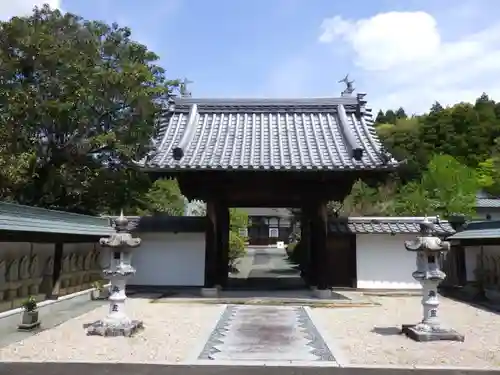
[[414, 332], [102, 328]]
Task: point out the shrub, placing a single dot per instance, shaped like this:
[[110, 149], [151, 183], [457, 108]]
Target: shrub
[[236, 247], [98, 285], [298, 255], [29, 304], [290, 248]]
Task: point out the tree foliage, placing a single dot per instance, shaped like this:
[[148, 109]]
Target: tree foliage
[[445, 188], [449, 154], [164, 197], [78, 104]]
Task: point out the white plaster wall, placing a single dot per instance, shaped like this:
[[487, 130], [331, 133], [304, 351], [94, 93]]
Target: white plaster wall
[[484, 212], [169, 259], [471, 255], [382, 262]]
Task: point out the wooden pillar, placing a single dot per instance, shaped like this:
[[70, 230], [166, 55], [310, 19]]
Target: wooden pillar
[[222, 223], [56, 272], [308, 267], [461, 265], [211, 246], [319, 234]]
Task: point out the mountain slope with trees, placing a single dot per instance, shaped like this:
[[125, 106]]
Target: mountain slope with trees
[[449, 154]]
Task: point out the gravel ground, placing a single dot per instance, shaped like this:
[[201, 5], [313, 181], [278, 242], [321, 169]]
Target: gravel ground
[[171, 334], [371, 335]]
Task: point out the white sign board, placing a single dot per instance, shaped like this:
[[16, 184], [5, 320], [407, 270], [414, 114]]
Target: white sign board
[[274, 233], [280, 245], [243, 232]]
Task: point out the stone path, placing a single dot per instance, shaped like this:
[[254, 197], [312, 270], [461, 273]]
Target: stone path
[[266, 333], [266, 268]]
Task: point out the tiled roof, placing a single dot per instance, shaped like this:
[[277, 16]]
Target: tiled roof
[[486, 200], [488, 203], [477, 230], [264, 211], [385, 225], [19, 218], [266, 134]]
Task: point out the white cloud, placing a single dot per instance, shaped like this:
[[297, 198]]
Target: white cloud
[[408, 63], [11, 8]]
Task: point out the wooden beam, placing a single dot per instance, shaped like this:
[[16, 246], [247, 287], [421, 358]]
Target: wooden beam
[[479, 242], [43, 237], [278, 189]]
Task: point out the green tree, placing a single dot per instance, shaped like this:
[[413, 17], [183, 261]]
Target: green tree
[[238, 220], [365, 200], [380, 119], [81, 98], [401, 114], [447, 187], [413, 199], [403, 141], [488, 176], [164, 197]]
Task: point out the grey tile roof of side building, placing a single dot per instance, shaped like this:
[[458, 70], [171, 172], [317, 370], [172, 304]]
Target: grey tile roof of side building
[[270, 134], [488, 203], [478, 230], [385, 225], [20, 218], [265, 211], [486, 200]]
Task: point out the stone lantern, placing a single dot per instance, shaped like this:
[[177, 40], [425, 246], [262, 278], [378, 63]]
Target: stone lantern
[[121, 243], [429, 250]]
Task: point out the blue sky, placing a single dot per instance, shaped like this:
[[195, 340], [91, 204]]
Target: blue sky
[[407, 53]]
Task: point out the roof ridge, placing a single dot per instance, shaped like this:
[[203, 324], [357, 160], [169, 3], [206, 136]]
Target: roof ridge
[[268, 101], [398, 219]]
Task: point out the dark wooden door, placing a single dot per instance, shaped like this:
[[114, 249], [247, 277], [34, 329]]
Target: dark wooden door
[[342, 260]]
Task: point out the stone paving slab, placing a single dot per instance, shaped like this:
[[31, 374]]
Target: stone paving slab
[[266, 333]]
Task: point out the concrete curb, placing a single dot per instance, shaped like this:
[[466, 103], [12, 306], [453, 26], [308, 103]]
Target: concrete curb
[[269, 363], [272, 368]]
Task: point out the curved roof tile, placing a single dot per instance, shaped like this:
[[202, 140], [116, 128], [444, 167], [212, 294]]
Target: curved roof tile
[[270, 134]]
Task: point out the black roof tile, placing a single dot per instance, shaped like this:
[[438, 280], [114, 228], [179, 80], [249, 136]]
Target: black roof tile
[[385, 225], [270, 134]]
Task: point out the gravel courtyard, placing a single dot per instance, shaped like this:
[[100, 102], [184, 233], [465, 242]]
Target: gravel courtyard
[[172, 333], [364, 335], [371, 335]]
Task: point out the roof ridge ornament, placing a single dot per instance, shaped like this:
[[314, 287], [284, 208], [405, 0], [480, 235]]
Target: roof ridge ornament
[[185, 93], [349, 89]]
